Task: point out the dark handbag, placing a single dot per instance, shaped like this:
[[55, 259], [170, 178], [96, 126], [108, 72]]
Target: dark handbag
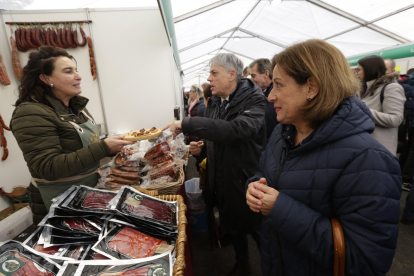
[[339, 247]]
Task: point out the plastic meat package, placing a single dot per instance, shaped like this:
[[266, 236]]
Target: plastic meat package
[[124, 242], [72, 225], [157, 151], [152, 266], [33, 242], [17, 259], [168, 168], [131, 202], [88, 199], [147, 183], [91, 255]]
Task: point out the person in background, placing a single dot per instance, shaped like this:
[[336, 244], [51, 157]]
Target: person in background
[[234, 132], [405, 130], [186, 95], [196, 93], [322, 163], [246, 72], [261, 73], [203, 103], [389, 114], [53, 128]]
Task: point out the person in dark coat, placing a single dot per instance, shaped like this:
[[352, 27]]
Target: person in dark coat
[[321, 163], [261, 74], [234, 133], [202, 106], [196, 93]]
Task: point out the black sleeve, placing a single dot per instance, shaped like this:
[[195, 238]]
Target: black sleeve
[[241, 129]]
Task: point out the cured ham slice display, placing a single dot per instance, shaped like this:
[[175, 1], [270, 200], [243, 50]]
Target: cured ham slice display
[[49, 250], [135, 272], [78, 223], [29, 269], [97, 200], [152, 209], [134, 243]]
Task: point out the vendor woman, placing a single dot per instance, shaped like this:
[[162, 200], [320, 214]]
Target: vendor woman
[[58, 136]]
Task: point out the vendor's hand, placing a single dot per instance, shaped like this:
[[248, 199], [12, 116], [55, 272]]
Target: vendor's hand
[[175, 128], [115, 143], [194, 148], [269, 196], [167, 126], [254, 196], [125, 151]]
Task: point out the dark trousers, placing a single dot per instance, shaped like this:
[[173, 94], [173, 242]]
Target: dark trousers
[[409, 205], [241, 246], [407, 158]]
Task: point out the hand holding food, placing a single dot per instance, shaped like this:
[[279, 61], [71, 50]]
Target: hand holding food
[[175, 128], [194, 148], [115, 143]]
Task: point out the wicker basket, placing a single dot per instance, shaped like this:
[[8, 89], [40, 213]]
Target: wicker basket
[[168, 188], [179, 266]]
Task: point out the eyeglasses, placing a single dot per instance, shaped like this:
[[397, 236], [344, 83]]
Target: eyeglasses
[[192, 91], [357, 69]]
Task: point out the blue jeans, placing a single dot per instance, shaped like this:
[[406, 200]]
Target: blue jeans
[[409, 205], [241, 246]]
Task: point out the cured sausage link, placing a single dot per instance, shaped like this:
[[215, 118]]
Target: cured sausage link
[[17, 67], [19, 44]]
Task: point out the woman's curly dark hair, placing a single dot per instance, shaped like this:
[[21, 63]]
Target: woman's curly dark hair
[[42, 61]]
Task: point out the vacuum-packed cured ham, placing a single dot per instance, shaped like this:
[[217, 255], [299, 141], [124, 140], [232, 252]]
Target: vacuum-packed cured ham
[[78, 223], [97, 200], [29, 269], [49, 250], [135, 244], [152, 209]]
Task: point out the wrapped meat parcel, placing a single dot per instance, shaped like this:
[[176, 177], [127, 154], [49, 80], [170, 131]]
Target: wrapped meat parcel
[[73, 225], [88, 199], [157, 151], [33, 242], [49, 231], [125, 242], [131, 202], [91, 255], [160, 265], [17, 259]]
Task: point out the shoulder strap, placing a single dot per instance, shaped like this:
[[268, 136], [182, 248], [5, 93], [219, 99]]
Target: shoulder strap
[[339, 247], [382, 92]]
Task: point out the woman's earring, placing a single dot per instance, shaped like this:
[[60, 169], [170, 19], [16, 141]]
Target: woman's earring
[[309, 98], [51, 85]]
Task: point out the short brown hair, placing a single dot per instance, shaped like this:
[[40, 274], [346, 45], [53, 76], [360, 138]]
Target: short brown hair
[[323, 61], [263, 65]]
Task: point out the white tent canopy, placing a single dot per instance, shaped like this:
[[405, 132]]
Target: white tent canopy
[[254, 29]]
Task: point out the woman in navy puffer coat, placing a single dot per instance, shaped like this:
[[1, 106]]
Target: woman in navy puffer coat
[[322, 165]]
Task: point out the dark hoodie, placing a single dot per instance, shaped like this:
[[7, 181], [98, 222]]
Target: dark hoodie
[[339, 171]]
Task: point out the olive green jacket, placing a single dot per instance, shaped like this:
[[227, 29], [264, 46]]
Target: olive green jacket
[[51, 146]]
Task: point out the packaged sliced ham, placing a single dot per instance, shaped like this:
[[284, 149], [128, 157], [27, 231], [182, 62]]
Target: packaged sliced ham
[[91, 255], [73, 225], [131, 202], [152, 266], [53, 232], [17, 259], [88, 199], [155, 230], [33, 242], [125, 242]]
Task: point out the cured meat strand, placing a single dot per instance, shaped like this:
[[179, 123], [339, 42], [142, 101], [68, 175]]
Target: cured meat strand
[[122, 180], [53, 38], [17, 67], [79, 223], [19, 43], [99, 257], [97, 200], [3, 124], [129, 169], [43, 36], [128, 175], [5, 154], [38, 37], [162, 159], [29, 38], [46, 34], [75, 38], [135, 244], [3, 141], [152, 209], [69, 38], [64, 39], [113, 184], [168, 168], [29, 269], [4, 77], [49, 250], [23, 38], [59, 39]]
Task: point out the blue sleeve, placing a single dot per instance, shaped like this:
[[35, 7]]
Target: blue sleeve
[[365, 200]]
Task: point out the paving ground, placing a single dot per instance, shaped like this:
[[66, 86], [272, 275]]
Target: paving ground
[[219, 261]]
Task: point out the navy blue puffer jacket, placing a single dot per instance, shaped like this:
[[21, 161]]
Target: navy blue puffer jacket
[[339, 171]]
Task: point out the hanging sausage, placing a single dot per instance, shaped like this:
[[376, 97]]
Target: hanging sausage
[[17, 67]]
